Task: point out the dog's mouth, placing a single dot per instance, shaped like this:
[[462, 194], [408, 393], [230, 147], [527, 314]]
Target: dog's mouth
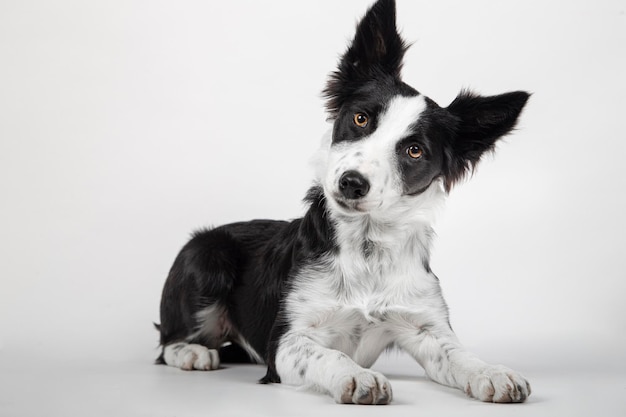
[[355, 206], [349, 205]]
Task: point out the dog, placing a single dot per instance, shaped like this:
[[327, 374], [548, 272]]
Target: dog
[[319, 298]]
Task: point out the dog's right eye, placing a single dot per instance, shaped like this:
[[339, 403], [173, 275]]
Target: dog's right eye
[[360, 119], [414, 151]]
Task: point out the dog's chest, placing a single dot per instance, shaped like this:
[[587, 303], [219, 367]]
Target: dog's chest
[[356, 306]]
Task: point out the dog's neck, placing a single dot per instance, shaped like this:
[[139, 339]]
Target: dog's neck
[[404, 229], [380, 243]]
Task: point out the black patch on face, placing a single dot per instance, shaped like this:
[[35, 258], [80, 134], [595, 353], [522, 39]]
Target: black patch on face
[[371, 99], [430, 134]]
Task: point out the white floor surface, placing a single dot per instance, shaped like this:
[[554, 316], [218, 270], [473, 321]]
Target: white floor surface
[[32, 388]]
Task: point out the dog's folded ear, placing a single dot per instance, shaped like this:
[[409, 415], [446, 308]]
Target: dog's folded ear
[[478, 123], [375, 53]]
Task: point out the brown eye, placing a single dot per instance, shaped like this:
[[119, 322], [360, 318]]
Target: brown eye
[[361, 119], [414, 152]]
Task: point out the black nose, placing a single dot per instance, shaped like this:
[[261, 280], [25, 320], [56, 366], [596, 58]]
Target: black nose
[[353, 185]]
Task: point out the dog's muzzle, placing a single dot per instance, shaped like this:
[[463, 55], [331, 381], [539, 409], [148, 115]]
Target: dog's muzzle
[[353, 185]]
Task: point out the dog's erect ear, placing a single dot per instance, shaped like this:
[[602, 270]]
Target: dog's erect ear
[[377, 46], [478, 123], [375, 53]]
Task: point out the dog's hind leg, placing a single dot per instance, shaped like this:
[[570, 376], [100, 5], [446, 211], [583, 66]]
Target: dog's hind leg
[[200, 349], [194, 319]]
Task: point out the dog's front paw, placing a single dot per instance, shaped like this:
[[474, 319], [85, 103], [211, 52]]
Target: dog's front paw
[[365, 387], [498, 384]]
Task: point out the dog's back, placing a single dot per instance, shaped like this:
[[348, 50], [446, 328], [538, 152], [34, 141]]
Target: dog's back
[[225, 287]]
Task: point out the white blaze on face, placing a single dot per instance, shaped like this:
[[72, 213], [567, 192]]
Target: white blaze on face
[[374, 156]]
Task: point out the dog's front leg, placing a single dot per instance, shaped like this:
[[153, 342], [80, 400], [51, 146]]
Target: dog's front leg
[[445, 361], [302, 361]]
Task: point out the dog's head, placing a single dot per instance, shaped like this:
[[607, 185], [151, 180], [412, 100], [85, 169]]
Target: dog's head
[[390, 144]]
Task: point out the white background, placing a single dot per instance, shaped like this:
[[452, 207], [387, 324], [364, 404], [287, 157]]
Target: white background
[[124, 125]]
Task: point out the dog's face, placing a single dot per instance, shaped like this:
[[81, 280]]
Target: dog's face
[[384, 148], [390, 143]]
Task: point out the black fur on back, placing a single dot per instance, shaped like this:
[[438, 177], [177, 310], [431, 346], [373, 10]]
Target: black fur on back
[[245, 267]]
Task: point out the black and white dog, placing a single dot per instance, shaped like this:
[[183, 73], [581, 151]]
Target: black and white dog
[[319, 298]]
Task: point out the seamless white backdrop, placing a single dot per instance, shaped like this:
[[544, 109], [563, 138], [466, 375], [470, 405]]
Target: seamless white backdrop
[[124, 125]]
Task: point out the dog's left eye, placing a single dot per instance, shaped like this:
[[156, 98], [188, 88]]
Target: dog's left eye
[[360, 119], [414, 151]]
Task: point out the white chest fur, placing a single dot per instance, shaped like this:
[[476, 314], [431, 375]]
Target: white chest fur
[[359, 300]]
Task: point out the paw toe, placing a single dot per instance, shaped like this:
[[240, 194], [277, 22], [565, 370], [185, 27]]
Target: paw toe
[[365, 388], [498, 385], [206, 359], [348, 391], [189, 359]]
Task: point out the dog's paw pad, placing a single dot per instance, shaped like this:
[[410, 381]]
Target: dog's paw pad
[[499, 385], [367, 387]]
